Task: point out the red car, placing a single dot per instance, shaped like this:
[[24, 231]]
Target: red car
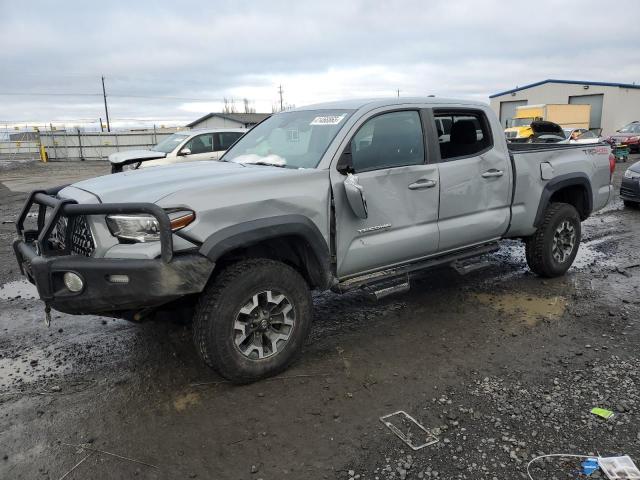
[[628, 135]]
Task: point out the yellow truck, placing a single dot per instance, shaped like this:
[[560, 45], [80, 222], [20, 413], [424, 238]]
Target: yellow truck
[[568, 116]]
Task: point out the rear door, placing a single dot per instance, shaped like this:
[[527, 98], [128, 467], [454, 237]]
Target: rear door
[[401, 190], [475, 180]]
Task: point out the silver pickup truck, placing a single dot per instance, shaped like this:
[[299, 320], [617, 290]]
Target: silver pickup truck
[[345, 195]]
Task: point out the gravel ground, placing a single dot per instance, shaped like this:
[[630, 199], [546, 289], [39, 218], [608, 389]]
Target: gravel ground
[[500, 365]]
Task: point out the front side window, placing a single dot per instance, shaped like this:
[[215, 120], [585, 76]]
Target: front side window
[[295, 139], [469, 134], [390, 140], [200, 144]]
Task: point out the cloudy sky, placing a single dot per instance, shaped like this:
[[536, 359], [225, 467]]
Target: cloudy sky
[[174, 61]]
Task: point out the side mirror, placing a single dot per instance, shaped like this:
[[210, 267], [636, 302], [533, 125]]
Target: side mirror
[[355, 196], [185, 151], [345, 162]]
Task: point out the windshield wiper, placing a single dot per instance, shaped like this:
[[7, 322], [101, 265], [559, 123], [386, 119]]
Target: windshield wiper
[[268, 164]]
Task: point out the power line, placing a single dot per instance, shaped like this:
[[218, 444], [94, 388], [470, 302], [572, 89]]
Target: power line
[[115, 95], [39, 94]]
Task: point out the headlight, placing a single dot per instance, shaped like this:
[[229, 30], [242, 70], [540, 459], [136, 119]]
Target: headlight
[[145, 228], [631, 174]]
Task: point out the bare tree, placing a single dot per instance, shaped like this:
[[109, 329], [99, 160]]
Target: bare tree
[[229, 106], [247, 106]]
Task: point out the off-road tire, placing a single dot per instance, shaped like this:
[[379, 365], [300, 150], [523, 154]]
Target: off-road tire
[[219, 304], [538, 247], [630, 204]]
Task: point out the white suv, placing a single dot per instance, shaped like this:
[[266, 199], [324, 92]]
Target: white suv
[[187, 146]]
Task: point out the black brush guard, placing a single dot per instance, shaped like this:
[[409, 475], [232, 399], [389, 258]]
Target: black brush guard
[[71, 209]]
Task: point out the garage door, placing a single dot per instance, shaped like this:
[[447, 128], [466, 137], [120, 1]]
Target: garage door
[[508, 110], [595, 101]]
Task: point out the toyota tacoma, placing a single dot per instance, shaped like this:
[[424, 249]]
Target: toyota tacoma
[[339, 196]]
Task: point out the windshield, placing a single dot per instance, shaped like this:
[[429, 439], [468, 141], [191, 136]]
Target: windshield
[[631, 128], [291, 139], [522, 122], [168, 144]]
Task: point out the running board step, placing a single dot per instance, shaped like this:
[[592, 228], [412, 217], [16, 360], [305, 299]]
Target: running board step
[[465, 268], [390, 287]]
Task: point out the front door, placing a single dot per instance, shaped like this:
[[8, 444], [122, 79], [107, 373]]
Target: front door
[[401, 191], [201, 147], [475, 181]]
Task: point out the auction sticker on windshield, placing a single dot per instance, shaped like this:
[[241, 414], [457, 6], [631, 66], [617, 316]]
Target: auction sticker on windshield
[[328, 120]]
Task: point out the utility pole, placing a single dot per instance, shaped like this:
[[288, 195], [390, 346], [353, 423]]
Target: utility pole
[[280, 92], [106, 110], [398, 93], [101, 127]]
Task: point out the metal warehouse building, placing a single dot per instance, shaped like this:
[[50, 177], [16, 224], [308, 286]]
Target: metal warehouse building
[[613, 105]]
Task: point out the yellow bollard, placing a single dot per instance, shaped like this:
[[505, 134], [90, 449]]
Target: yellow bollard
[[43, 154]]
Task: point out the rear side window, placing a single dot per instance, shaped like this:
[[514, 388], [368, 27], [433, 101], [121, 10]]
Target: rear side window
[[389, 140], [224, 140], [462, 134]]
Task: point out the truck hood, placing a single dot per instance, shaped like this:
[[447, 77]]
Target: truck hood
[[153, 184], [130, 156]]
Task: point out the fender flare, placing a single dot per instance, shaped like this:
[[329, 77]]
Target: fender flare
[[558, 183], [254, 231]]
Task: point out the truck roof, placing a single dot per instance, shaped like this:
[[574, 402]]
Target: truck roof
[[357, 103]]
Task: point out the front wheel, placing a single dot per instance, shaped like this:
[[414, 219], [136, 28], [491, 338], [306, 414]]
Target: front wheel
[[550, 251], [252, 320], [630, 204]]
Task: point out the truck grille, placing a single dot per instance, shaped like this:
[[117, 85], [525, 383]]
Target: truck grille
[[81, 238], [511, 134]]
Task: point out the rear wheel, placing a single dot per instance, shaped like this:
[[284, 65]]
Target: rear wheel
[[551, 250], [252, 320]]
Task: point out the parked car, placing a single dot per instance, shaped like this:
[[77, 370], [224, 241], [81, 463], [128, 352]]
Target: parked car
[[630, 186], [628, 135], [542, 131], [341, 196], [186, 146], [582, 136]]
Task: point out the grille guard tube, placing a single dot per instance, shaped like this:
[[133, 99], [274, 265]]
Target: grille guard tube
[[70, 208]]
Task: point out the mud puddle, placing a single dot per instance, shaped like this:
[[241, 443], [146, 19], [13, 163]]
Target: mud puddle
[[529, 308]]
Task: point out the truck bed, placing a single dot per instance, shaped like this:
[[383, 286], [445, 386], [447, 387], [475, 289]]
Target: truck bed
[[586, 164]]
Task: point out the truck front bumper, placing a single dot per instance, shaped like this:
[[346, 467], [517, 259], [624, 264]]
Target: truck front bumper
[[114, 286], [630, 189], [110, 285]]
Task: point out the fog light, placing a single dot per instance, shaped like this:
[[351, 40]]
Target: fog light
[[118, 278], [73, 282]]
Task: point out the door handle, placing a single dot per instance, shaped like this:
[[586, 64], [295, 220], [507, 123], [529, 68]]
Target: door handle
[[492, 173], [423, 183]]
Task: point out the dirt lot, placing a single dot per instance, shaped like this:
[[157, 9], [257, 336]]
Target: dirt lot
[[501, 364]]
